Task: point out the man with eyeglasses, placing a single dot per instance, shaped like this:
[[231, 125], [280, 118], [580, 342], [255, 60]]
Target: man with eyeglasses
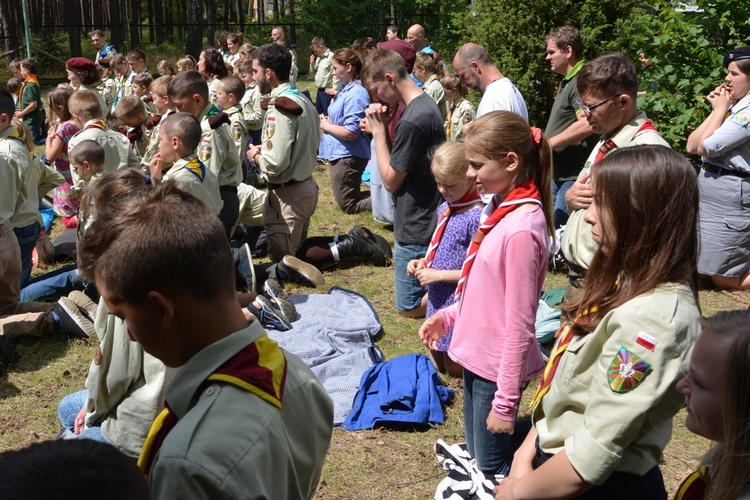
[[607, 87], [568, 131]]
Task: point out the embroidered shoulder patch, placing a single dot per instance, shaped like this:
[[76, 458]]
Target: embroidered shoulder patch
[[626, 371], [205, 149], [741, 118], [270, 126], [236, 131]]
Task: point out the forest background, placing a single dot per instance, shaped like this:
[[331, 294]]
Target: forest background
[[685, 42]]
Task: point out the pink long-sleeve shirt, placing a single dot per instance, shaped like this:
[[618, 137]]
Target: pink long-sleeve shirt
[[493, 324]]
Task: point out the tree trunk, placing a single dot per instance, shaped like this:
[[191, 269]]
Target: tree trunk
[[210, 22], [194, 39], [135, 24], [240, 17], [73, 20], [226, 14], [117, 36]]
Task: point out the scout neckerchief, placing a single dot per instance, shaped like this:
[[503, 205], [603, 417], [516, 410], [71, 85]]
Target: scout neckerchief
[[259, 367], [609, 145], [100, 124], [525, 193], [470, 198], [694, 486], [196, 167], [563, 341], [449, 127]]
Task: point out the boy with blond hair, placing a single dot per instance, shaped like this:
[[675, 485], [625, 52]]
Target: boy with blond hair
[[164, 108], [189, 92], [229, 95], [134, 115], [123, 78], [141, 84], [87, 115], [179, 135]]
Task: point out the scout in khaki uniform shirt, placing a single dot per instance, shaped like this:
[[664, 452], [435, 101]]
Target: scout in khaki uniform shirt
[[229, 96], [189, 92], [610, 108], [84, 107], [179, 135], [164, 107], [603, 413], [287, 156]]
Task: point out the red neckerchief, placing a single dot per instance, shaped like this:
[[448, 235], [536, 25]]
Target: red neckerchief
[[470, 198], [694, 486], [525, 193]]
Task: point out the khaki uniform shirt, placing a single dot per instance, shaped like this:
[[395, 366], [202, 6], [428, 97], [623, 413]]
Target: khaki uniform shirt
[[117, 151], [8, 190], [230, 443], [460, 114], [123, 87], [192, 176], [153, 143], [217, 150], [126, 385], [324, 70], [26, 196], [251, 107], [578, 245], [597, 409], [289, 144], [238, 128]]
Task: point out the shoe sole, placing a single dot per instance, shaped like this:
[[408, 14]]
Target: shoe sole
[[84, 302], [73, 311], [278, 314], [310, 272], [275, 290], [249, 253]]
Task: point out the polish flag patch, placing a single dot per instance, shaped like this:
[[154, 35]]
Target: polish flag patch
[[647, 341]]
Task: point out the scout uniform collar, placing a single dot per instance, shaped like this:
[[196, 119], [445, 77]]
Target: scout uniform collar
[[232, 110], [192, 164], [209, 111]]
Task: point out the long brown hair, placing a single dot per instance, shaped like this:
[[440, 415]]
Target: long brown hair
[[730, 459], [498, 133], [650, 197]]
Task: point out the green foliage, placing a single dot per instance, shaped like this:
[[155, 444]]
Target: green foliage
[[514, 32], [687, 55]]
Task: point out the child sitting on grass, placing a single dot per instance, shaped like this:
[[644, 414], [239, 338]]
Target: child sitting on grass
[[229, 96], [133, 114]]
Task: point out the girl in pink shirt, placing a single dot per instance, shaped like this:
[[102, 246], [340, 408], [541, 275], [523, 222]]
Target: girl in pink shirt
[[500, 284]]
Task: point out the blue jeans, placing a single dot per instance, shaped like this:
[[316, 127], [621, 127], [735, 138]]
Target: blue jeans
[[493, 452], [52, 285], [560, 214], [409, 292], [27, 237], [69, 408]]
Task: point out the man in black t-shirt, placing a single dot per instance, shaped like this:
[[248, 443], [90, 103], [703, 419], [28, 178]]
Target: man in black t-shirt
[[405, 168]]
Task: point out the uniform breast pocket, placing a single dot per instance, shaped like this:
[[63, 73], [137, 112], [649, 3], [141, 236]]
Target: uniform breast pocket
[[569, 366]]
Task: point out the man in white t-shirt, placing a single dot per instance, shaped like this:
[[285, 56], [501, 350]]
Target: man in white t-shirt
[[475, 68]]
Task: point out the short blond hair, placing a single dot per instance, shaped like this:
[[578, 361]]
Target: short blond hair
[[130, 107], [85, 105]]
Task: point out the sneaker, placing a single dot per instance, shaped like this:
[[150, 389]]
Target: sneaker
[[75, 322], [245, 270], [84, 302], [295, 270], [274, 289], [269, 315], [278, 296]]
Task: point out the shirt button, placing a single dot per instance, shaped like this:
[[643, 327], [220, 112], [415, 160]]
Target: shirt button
[[209, 391]]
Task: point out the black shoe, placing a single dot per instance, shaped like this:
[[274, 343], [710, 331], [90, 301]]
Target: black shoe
[[8, 354], [244, 268], [294, 270], [360, 244]]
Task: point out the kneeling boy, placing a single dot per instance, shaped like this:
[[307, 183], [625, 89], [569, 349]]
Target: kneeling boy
[[244, 418]]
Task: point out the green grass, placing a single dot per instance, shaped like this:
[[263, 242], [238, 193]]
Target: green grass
[[366, 464]]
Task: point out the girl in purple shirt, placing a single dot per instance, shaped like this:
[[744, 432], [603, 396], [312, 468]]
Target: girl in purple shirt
[[458, 220]]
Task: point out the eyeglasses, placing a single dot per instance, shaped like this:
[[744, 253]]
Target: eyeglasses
[[590, 109]]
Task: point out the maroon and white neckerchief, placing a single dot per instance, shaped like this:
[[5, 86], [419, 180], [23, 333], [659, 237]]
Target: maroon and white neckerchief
[[470, 198], [493, 213]]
